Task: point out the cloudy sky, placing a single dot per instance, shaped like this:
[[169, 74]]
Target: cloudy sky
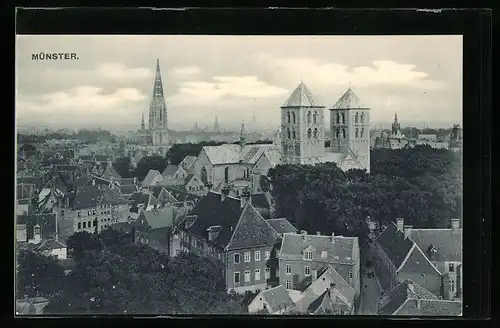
[[233, 77]]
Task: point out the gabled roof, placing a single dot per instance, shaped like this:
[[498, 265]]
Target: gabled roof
[[252, 230], [49, 245], [349, 101], [394, 244], [190, 177], [182, 195], [341, 251], [277, 298], [323, 302], [139, 198], [187, 162], [148, 180], [395, 298], [110, 172], [282, 225], [46, 221], [126, 181], [93, 196], [301, 97], [447, 243], [159, 218], [101, 158], [430, 308], [128, 189], [170, 170], [231, 153], [212, 211]]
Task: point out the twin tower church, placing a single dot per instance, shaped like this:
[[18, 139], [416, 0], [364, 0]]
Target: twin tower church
[[302, 137]]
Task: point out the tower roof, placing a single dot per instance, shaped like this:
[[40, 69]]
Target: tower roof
[[348, 101], [301, 97], [158, 85]]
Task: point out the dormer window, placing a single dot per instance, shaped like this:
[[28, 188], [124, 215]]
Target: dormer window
[[308, 255]]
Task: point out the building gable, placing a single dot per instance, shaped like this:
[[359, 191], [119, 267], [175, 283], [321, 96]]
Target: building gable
[[416, 261]]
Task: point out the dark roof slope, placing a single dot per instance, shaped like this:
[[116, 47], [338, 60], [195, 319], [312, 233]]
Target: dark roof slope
[[260, 201], [128, 189], [407, 289], [277, 298], [252, 230], [170, 170], [430, 308], [282, 225], [447, 243], [394, 244], [211, 211]]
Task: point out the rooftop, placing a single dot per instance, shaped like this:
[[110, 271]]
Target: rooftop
[[349, 100], [301, 97]]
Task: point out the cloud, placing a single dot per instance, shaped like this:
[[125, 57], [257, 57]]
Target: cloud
[[186, 71], [119, 71], [225, 88], [80, 100], [381, 72]]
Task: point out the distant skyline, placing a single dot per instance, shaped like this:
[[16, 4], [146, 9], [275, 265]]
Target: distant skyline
[[233, 77]]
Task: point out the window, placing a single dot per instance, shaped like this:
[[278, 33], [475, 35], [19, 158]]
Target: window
[[257, 255], [293, 117], [362, 132], [204, 175], [236, 277], [264, 306], [248, 173], [307, 270], [84, 225], [247, 256], [268, 255], [94, 224], [288, 284], [451, 267], [226, 174], [343, 118], [293, 134], [288, 133], [308, 117], [350, 274], [337, 133], [324, 254], [79, 225], [247, 275], [357, 133], [79, 214], [343, 133], [308, 255], [315, 117], [356, 118], [452, 286], [288, 269], [288, 117], [267, 273], [338, 118], [309, 133], [362, 118], [315, 133], [257, 274]]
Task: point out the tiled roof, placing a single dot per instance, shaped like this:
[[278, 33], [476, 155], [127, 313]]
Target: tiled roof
[[148, 180], [189, 177], [301, 97], [348, 100], [47, 222], [170, 170], [86, 197], [29, 179], [182, 195], [259, 200], [112, 197], [430, 308], [128, 189], [139, 198], [341, 251], [274, 156], [188, 161], [447, 243], [277, 298], [127, 181], [324, 281], [50, 244], [230, 153], [110, 172], [282, 225], [395, 298], [101, 158], [252, 230], [323, 301], [211, 211], [86, 157], [394, 244], [159, 218]]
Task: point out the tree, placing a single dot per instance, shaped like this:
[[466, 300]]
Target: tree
[[178, 152], [148, 163], [83, 241], [38, 275], [122, 166]]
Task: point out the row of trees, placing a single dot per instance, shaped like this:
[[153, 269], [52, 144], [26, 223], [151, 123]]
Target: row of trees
[[112, 275], [422, 185], [83, 135]]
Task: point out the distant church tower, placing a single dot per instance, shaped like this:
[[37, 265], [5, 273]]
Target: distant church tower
[[158, 126], [216, 125], [243, 136], [143, 126], [396, 127], [350, 128], [302, 134]]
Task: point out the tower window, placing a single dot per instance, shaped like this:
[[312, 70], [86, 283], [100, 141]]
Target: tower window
[[356, 118], [362, 117], [308, 117], [204, 175], [337, 133], [315, 117], [293, 118], [343, 118], [288, 133], [343, 133], [315, 133], [293, 134], [226, 174], [309, 133], [357, 133], [288, 116], [79, 225], [362, 132], [338, 118]]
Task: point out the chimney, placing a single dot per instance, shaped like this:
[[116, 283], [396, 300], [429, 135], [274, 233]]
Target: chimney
[[400, 224], [93, 182], [419, 304], [36, 234], [135, 180], [318, 233], [245, 198], [455, 225], [333, 237], [407, 230], [224, 193]]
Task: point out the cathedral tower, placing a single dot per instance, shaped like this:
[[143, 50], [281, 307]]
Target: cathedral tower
[[396, 127], [302, 134], [350, 128], [216, 125], [158, 126]]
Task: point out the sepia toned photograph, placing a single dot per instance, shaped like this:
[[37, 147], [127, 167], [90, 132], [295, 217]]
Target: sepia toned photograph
[[239, 175]]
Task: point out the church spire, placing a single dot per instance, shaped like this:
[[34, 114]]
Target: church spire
[[216, 124], [142, 123], [395, 125], [242, 135], [158, 86]]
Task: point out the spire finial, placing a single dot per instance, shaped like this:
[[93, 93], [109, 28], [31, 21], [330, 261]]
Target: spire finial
[[349, 85]]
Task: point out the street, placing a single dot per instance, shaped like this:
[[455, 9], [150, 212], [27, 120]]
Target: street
[[370, 290]]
